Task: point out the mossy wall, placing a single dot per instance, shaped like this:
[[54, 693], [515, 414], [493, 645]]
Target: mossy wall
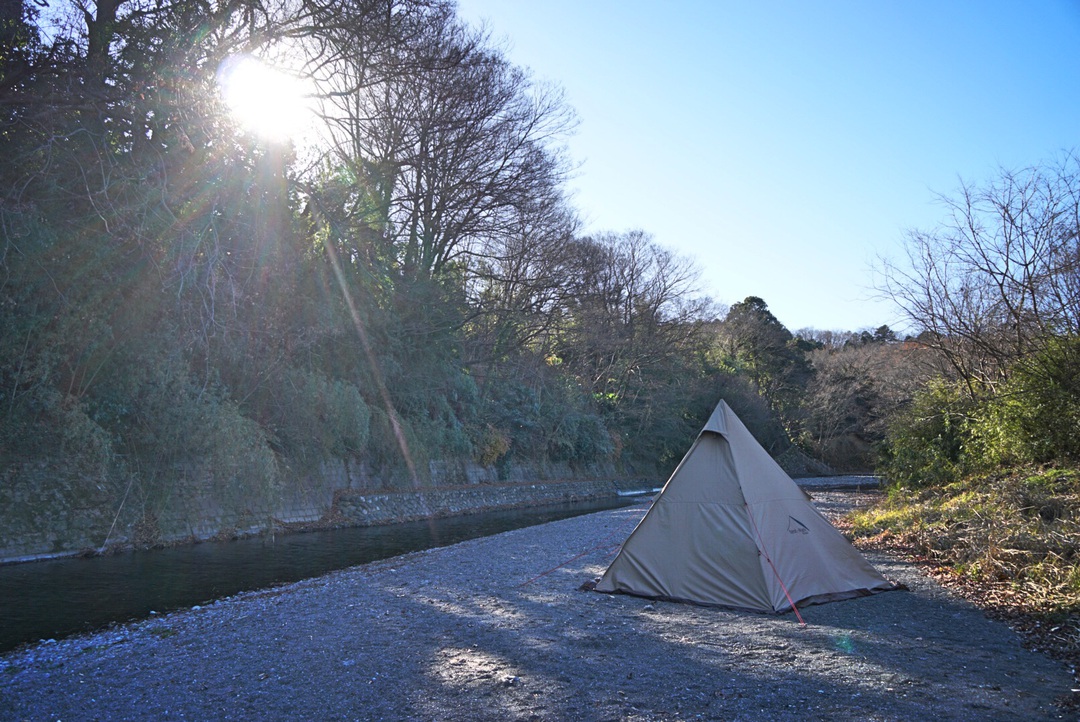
[[49, 510]]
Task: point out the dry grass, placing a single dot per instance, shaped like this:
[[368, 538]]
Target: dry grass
[[1009, 543]]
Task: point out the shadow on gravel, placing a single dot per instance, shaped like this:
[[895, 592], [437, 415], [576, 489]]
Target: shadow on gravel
[[545, 651], [451, 634]]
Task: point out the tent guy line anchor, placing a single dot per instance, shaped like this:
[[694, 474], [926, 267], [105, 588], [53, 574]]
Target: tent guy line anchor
[[765, 553], [571, 559]]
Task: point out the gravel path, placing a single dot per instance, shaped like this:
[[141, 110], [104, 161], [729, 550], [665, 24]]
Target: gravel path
[[461, 633]]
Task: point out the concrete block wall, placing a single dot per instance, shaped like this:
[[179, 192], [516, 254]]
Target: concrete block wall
[[48, 510], [363, 508]]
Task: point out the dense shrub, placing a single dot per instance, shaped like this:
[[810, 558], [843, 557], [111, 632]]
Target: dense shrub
[[1035, 416], [927, 442], [319, 418], [42, 422], [580, 437], [170, 425], [395, 450]]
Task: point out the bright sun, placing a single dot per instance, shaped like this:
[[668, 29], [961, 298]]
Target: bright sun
[[264, 100]]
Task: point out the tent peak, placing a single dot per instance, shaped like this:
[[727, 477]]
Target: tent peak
[[718, 422]]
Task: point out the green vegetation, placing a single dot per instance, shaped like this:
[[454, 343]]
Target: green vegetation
[[191, 309], [982, 461], [989, 489]]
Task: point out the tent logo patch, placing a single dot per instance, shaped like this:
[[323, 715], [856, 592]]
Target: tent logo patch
[[796, 527]]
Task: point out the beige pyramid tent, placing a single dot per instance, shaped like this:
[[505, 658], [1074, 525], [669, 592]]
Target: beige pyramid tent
[[730, 528]]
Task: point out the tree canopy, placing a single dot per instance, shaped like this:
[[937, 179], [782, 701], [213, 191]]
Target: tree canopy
[[185, 299]]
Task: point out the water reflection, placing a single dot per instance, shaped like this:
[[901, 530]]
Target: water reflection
[[51, 599]]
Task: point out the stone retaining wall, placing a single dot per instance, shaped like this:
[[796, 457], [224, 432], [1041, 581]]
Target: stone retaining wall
[[367, 509], [48, 510]]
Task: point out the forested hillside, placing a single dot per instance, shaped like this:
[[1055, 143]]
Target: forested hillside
[[191, 294], [187, 297]]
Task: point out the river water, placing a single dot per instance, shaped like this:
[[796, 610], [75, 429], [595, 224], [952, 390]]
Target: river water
[[57, 598]]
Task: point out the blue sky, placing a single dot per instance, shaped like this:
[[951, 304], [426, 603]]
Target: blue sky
[[785, 145]]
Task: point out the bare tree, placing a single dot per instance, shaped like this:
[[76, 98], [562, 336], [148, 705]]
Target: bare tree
[[518, 289], [852, 394], [453, 150], [1000, 276], [633, 306]]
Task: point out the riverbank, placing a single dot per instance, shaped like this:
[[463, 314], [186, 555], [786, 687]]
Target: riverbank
[[496, 629], [328, 509]]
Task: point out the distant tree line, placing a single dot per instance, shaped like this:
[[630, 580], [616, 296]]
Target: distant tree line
[[183, 301]]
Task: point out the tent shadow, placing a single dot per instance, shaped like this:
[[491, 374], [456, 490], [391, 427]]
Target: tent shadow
[[521, 653]]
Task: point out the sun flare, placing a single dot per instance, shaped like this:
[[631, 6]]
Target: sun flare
[[264, 100]]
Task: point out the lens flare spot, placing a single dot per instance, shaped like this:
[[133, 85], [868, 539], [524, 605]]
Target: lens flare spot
[[845, 644]]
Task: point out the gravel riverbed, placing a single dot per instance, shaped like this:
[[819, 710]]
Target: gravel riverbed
[[497, 629]]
